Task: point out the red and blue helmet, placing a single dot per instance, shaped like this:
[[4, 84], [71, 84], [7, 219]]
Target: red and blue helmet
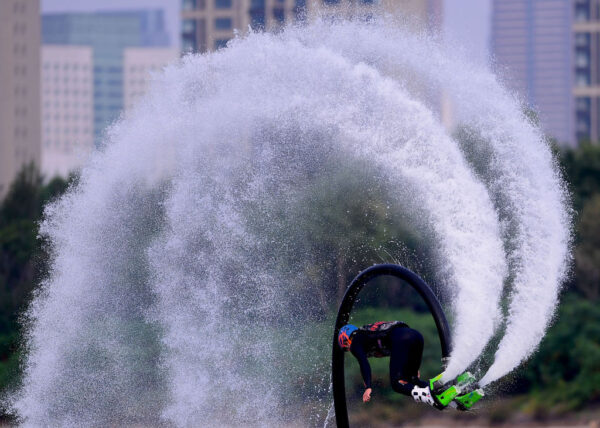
[[345, 336]]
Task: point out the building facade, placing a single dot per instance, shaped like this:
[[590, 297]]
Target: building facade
[[138, 66], [67, 108], [108, 34], [19, 87], [532, 48], [208, 25], [586, 90]]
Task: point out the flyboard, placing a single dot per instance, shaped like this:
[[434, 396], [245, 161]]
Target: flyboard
[[443, 397]]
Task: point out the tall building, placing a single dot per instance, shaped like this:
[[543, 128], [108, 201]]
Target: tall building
[[19, 87], [138, 65], [67, 108], [208, 25], [108, 34], [586, 90], [532, 46]]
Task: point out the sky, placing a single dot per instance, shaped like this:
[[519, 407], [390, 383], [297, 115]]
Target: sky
[[466, 22]]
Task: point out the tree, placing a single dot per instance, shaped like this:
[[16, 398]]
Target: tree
[[587, 254], [20, 212], [565, 372], [582, 170]]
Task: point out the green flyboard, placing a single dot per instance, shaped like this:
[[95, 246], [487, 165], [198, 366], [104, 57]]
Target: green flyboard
[[464, 380], [466, 401], [435, 383], [444, 397]]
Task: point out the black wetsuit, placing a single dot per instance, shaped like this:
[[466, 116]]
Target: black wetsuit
[[402, 344]]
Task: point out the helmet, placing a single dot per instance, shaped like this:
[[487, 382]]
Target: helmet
[[345, 336]]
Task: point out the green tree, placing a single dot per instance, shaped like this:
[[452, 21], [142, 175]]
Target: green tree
[[582, 170], [587, 254], [20, 251], [565, 372]]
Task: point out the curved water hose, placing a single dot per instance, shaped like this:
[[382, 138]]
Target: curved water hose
[[337, 357]]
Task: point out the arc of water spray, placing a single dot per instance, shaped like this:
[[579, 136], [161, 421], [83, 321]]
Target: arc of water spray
[[519, 173], [292, 99]]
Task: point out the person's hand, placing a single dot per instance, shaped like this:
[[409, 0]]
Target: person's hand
[[367, 395]]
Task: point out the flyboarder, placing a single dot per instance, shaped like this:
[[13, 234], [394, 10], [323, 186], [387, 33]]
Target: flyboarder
[[404, 346], [393, 339]]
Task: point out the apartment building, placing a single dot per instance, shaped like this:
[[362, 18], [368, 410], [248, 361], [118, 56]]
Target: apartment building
[[67, 108], [19, 87]]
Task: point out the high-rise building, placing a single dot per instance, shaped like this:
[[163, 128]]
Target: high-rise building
[[208, 25], [586, 90], [108, 34], [19, 87], [138, 65], [532, 47], [67, 108]]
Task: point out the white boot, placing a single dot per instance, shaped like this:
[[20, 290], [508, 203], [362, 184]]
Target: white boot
[[422, 395]]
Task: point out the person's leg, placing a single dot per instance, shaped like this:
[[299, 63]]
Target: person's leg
[[405, 359]]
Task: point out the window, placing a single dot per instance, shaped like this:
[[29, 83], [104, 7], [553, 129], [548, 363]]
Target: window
[[582, 78], [188, 5], [188, 26], [188, 44], [279, 15], [223, 4], [582, 39], [257, 14], [582, 105], [583, 126], [582, 59], [223, 24], [582, 11], [221, 43], [258, 21]]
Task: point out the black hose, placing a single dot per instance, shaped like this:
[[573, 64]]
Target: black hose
[[337, 357]]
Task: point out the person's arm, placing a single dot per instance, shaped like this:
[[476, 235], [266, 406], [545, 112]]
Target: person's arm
[[359, 353]]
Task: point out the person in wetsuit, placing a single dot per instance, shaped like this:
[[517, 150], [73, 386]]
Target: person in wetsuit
[[393, 339]]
